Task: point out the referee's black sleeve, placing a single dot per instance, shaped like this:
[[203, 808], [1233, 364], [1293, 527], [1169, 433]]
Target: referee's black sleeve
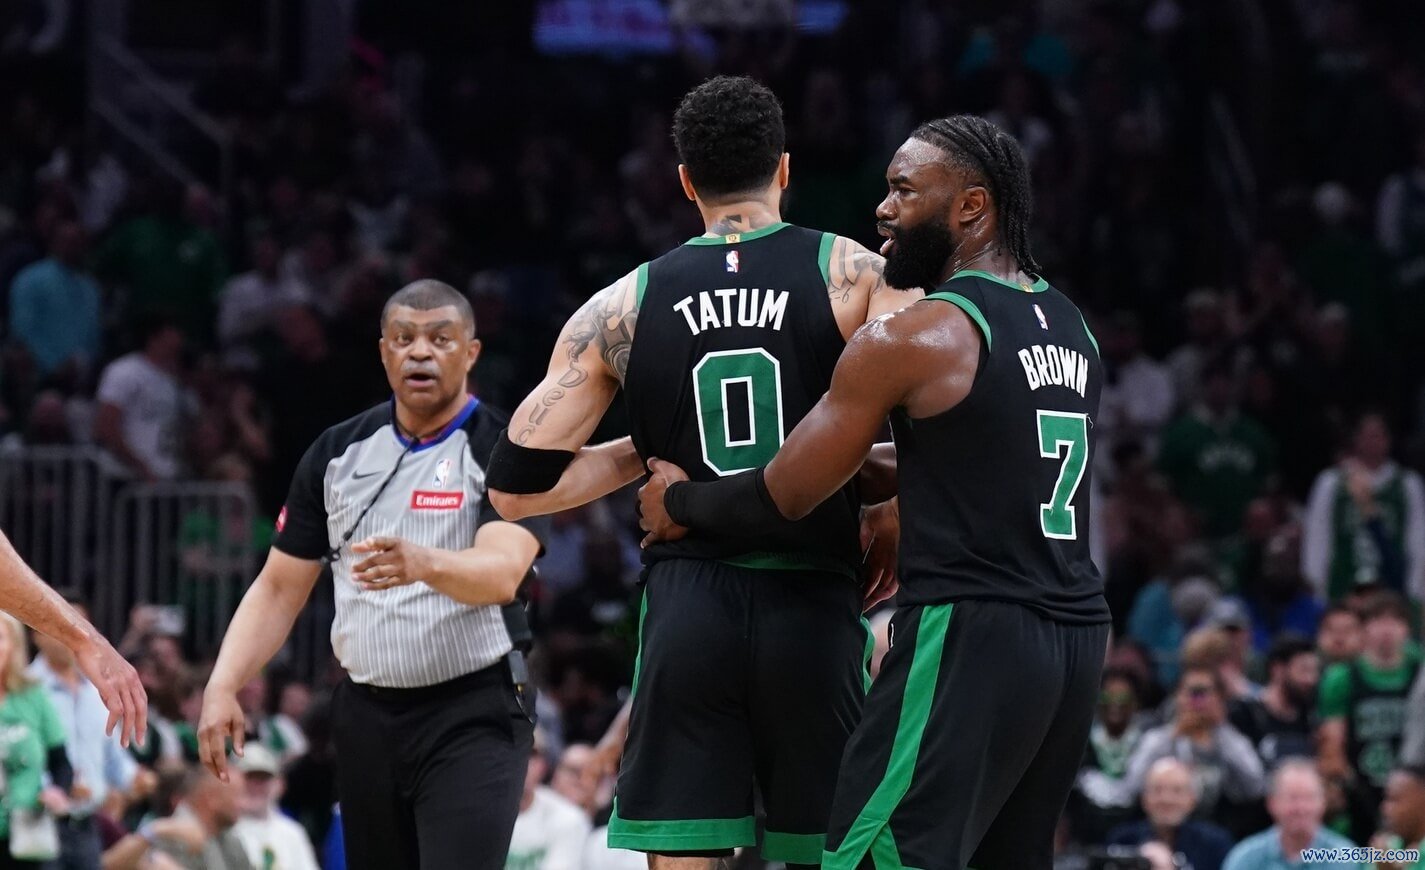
[[302, 524]]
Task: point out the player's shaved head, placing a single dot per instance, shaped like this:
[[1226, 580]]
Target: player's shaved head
[[427, 295]]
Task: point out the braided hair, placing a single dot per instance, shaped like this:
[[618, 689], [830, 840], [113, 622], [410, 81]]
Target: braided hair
[[980, 146]]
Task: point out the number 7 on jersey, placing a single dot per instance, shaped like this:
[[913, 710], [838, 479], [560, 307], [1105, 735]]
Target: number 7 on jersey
[[1066, 435]]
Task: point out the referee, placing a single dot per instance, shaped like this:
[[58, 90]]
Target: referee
[[430, 728]]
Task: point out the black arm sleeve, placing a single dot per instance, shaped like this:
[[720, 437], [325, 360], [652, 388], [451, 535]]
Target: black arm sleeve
[[524, 470], [60, 770], [302, 524], [738, 505]]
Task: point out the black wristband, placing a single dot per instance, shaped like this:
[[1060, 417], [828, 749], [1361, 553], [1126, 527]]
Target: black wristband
[[738, 505], [524, 470]]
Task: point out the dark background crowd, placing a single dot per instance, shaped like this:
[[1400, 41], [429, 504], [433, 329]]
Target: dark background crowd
[[1232, 190]]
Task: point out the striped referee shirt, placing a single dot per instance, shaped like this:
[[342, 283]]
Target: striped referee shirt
[[410, 635]]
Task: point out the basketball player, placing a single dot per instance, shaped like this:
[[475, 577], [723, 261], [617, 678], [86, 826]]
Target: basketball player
[[752, 652], [975, 728]]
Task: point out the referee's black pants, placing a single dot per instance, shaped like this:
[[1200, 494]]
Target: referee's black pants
[[430, 778]]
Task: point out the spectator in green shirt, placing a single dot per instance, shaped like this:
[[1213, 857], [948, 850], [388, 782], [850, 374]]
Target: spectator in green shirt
[[31, 741], [168, 261], [1216, 458], [1363, 708]]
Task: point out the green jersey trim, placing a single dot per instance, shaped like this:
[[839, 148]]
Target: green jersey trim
[[680, 835], [791, 562], [640, 285], [1039, 286], [823, 259], [1089, 332], [969, 308], [793, 848], [735, 238]]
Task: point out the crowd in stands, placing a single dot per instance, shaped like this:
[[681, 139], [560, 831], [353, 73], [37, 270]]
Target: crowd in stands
[[1258, 515]]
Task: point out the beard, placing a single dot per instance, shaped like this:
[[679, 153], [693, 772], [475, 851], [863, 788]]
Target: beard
[[1301, 698], [919, 255]]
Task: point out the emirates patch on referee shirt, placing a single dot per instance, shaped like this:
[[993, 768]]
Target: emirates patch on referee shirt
[[427, 500]]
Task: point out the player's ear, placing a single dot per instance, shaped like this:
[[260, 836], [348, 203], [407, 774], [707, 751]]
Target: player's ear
[[687, 182], [474, 354], [784, 170], [971, 204]]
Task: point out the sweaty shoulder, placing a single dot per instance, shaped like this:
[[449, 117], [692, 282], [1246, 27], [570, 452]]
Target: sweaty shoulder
[[925, 354]]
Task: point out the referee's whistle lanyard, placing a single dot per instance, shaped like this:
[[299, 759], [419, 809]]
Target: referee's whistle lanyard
[[513, 613]]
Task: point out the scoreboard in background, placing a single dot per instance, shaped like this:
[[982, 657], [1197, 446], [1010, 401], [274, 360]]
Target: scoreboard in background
[[633, 27]]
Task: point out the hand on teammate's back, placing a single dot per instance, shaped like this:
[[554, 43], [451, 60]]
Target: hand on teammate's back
[[880, 541], [653, 516]]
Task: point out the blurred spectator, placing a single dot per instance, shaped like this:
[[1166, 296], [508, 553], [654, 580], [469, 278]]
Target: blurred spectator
[[1363, 708], [251, 302], [1225, 768], [1207, 341], [1170, 793], [1297, 803], [1403, 815], [316, 266], [1217, 459], [54, 308], [579, 779], [1144, 527], [271, 839], [1400, 218], [142, 405], [1365, 522], [1228, 618], [1280, 600], [1137, 396], [293, 703], [1281, 720], [550, 832], [1339, 636], [168, 259], [101, 765], [33, 744], [213, 808], [1098, 803], [1168, 608]]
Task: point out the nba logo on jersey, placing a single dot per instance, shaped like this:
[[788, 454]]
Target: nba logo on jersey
[[732, 261], [1039, 312], [442, 472]]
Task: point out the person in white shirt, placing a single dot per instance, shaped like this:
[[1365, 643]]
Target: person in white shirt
[[551, 832], [1138, 394], [272, 840], [1365, 520], [251, 301], [142, 404]]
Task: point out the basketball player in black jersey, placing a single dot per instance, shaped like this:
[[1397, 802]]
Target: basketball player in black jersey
[[751, 668], [975, 728]]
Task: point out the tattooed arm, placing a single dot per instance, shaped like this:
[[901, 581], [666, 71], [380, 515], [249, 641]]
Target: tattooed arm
[[585, 372], [857, 287]]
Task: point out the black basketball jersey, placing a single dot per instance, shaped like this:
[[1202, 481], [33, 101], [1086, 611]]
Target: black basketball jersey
[[994, 493], [735, 342]]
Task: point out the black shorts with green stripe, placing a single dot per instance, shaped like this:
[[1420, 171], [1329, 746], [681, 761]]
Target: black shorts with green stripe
[[748, 680], [971, 739]]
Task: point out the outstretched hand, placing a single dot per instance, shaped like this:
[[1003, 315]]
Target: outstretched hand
[[653, 515]]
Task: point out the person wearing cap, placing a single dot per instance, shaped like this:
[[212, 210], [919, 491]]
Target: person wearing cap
[[272, 840]]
